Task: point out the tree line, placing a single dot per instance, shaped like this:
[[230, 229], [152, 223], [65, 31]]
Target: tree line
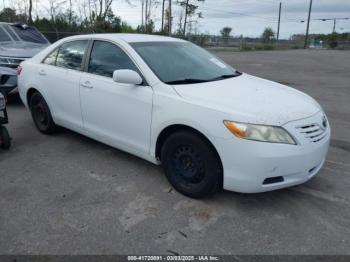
[[98, 16]]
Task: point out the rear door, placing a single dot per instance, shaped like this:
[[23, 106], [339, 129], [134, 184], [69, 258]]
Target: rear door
[[117, 114], [60, 74]]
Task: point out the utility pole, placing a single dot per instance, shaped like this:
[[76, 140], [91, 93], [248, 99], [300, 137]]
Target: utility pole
[[308, 26], [279, 21], [334, 25], [163, 15], [170, 17], [185, 23]]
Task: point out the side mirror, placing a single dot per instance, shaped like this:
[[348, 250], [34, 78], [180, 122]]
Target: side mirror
[[127, 76]]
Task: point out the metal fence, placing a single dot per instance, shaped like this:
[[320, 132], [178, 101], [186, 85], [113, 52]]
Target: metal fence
[[239, 43]]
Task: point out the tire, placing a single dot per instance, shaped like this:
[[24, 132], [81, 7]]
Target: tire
[[41, 114], [191, 164], [5, 140]]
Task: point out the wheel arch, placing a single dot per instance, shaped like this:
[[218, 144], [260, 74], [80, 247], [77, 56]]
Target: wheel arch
[[29, 94], [171, 129]]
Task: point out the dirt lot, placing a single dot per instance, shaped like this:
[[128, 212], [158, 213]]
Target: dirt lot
[[67, 194]]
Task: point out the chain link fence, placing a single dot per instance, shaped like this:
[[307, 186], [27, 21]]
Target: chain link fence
[[236, 43]]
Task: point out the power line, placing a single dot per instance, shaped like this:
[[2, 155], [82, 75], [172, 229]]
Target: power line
[[239, 14], [330, 19]]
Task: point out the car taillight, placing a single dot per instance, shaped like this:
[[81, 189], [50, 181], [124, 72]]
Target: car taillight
[[19, 69]]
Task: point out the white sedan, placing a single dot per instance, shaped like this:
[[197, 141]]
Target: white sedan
[[172, 103]]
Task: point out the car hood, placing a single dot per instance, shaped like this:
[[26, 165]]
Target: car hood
[[252, 100], [21, 49]]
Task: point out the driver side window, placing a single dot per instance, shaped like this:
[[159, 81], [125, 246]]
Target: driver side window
[[106, 57]]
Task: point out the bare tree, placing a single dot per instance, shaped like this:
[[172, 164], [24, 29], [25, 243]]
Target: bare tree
[[163, 8], [146, 12], [190, 10], [180, 23], [70, 12], [142, 12], [54, 8]]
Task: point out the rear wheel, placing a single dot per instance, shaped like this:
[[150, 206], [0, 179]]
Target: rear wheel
[[41, 114], [191, 164], [5, 140]]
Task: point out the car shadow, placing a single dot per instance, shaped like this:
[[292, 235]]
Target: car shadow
[[223, 196], [14, 100]]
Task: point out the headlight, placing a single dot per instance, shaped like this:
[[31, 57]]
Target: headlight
[[272, 134], [10, 61], [3, 61], [2, 102]]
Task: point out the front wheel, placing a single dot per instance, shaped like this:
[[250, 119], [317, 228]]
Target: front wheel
[[5, 140], [41, 114], [191, 164]]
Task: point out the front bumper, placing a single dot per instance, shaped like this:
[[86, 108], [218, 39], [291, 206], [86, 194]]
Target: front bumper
[[248, 165]]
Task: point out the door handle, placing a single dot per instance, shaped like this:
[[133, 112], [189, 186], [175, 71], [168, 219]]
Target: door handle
[[42, 72], [87, 84]]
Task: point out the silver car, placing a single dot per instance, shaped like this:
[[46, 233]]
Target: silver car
[[17, 43]]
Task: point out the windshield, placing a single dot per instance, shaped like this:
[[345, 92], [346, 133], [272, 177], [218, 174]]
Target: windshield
[[4, 37], [182, 62], [29, 34]]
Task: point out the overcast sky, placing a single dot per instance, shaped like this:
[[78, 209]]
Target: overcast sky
[[246, 17], [250, 17]]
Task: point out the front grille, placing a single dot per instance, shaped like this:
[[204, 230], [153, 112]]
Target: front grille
[[313, 132]]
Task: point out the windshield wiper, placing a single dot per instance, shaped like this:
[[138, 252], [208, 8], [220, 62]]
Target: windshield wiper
[[186, 81], [225, 76], [195, 80]]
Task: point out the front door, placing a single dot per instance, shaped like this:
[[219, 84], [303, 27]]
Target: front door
[[118, 114]]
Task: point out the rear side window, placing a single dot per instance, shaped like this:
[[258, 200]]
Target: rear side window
[[70, 55], [51, 58], [106, 58]]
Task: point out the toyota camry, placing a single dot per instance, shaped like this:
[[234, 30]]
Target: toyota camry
[[173, 103]]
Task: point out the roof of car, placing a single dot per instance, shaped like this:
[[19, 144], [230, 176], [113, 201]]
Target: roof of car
[[130, 38]]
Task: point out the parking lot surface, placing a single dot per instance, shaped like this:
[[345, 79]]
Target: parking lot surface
[[67, 194]]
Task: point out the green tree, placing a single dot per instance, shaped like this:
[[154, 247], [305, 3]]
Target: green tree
[[8, 15], [226, 31], [268, 36], [333, 40], [148, 28]]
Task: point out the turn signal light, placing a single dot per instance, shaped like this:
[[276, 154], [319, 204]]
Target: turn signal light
[[19, 69]]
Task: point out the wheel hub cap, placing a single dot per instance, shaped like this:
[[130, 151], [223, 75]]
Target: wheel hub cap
[[188, 164]]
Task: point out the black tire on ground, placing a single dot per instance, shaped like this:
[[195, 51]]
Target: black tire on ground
[[41, 114], [191, 164], [5, 140]]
